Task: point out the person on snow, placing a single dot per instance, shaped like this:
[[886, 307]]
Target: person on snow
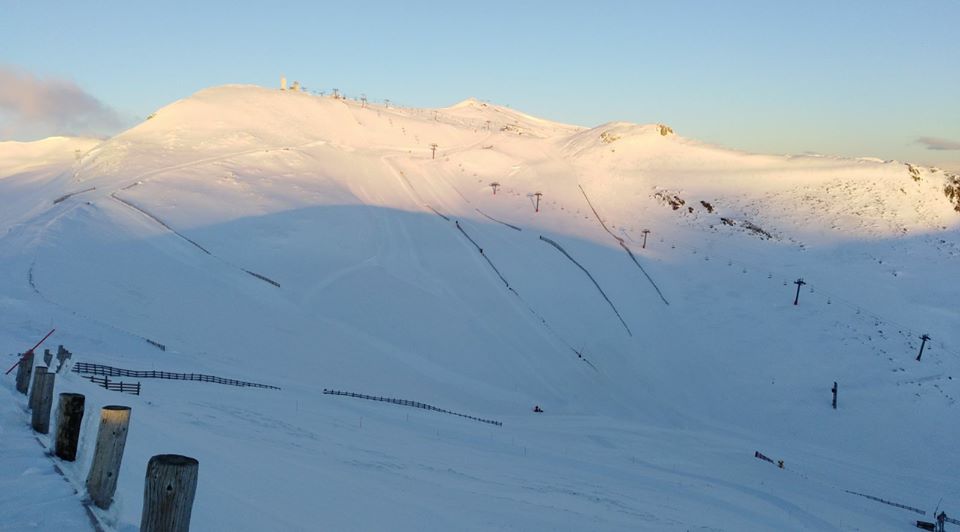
[[537, 409]]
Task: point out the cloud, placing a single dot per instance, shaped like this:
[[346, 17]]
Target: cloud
[[934, 143], [32, 107]]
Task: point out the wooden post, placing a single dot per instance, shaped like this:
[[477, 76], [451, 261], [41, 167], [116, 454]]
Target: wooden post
[[47, 357], [111, 439], [834, 390], [645, 233], [537, 194], [24, 369], [44, 401], [170, 486], [37, 376], [62, 356], [69, 417]]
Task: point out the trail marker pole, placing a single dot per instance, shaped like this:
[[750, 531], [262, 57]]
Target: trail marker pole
[[433, 150], [537, 195], [645, 233], [494, 186], [799, 282], [834, 390], [923, 343]]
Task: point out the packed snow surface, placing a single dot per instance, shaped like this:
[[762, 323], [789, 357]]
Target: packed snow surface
[[483, 261]]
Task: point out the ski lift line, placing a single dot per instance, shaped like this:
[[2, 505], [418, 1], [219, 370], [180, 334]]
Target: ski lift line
[[833, 297], [623, 244], [602, 293]]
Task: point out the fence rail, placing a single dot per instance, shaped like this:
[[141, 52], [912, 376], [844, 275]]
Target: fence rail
[[116, 386], [110, 371], [406, 402], [889, 503]]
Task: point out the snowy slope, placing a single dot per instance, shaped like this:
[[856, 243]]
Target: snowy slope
[[316, 243]]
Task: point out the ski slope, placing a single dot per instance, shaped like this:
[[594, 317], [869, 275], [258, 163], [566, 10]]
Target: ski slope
[[316, 243]]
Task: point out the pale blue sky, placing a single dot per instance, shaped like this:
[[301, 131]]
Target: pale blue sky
[[865, 78]]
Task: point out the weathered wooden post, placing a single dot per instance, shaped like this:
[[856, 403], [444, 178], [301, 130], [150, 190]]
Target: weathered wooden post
[[69, 417], [24, 369], [44, 401], [834, 390], [35, 386], [111, 439], [62, 356], [47, 357], [168, 493]]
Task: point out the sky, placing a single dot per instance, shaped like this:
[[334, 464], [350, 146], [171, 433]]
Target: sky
[[854, 78]]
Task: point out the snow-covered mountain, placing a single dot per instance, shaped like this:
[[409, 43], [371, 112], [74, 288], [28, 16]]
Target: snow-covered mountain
[[317, 243]]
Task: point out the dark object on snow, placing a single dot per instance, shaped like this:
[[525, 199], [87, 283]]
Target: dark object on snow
[[69, 417], [923, 343], [63, 355], [85, 368], [24, 369], [799, 282], [780, 464], [926, 525], [761, 456], [834, 390], [537, 409]]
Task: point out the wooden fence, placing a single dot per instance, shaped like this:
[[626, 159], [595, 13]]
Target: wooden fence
[[116, 386], [415, 404], [98, 369]]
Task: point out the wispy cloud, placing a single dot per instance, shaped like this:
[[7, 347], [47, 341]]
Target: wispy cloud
[[934, 143], [32, 107]]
